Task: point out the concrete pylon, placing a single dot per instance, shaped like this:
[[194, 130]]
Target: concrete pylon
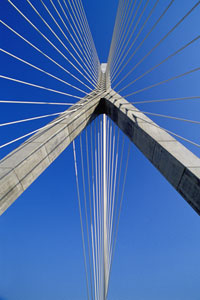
[[23, 165], [174, 161]]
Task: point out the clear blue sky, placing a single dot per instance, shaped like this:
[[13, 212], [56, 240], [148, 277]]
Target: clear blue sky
[[157, 254]]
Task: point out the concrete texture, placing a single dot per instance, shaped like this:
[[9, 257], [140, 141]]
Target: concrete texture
[[174, 161], [22, 166]]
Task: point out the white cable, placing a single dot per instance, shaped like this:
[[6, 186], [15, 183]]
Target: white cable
[[77, 27], [142, 42], [86, 214], [45, 55], [41, 70], [123, 48], [81, 221], [32, 132], [163, 38], [90, 202], [94, 214], [162, 82], [39, 86], [32, 102], [135, 39], [30, 119], [96, 209], [101, 211], [114, 191], [83, 34], [84, 54], [163, 61], [114, 35], [87, 67], [88, 29], [99, 206], [121, 199], [80, 65], [111, 194], [117, 192], [124, 10], [18, 10], [166, 100], [52, 123], [123, 24]]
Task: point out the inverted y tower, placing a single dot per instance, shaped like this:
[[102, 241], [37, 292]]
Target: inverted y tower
[[174, 161]]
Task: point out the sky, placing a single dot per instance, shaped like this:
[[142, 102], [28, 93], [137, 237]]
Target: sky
[[157, 253]]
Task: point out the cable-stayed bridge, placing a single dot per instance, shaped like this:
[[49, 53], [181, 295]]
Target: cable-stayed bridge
[[100, 162]]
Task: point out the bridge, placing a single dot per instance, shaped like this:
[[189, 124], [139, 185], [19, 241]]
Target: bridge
[[100, 184]]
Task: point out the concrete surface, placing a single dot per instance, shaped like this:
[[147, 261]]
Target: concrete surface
[[174, 161]]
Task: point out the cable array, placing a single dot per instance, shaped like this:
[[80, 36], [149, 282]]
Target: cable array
[[62, 59], [136, 23], [101, 160], [63, 62]]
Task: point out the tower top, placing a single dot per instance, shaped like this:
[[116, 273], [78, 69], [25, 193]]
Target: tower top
[[103, 67]]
